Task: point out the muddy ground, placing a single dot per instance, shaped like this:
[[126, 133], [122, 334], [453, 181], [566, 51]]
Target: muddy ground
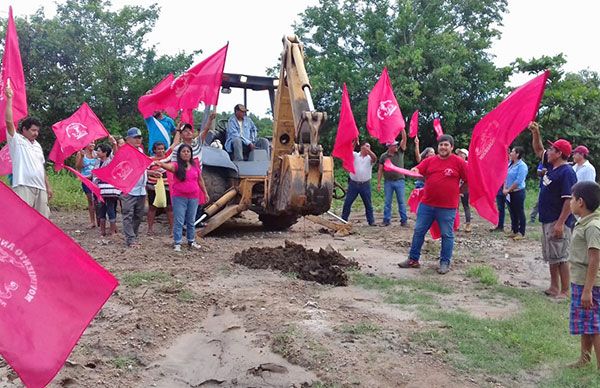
[[197, 319]]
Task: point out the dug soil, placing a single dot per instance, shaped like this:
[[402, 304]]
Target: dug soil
[[200, 319]]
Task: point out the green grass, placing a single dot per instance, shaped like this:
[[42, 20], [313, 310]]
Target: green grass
[[186, 296], [123, 362], [67, 191], [136, 279], [361, 328], [283, 343], [485, 274]]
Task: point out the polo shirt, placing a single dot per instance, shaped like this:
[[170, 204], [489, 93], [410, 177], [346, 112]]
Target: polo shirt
[[28, 162], [586, 235], [555, 189]]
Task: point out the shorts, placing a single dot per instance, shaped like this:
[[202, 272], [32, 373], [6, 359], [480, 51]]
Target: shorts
[[555, 250], [152, 196], [584, 321]]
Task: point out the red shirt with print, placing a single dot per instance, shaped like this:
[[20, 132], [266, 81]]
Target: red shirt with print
[[442, 180]]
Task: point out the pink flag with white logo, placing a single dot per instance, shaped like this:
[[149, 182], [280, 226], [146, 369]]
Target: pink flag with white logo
[[201, 82], [492, 136], [384, 118], [76, 132], [50, 291], [5, 161], [12, 69], [347, 133], [414, 124], [126, 168], [437, 127]]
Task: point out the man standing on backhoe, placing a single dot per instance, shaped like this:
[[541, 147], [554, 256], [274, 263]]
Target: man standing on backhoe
[[242, 134]]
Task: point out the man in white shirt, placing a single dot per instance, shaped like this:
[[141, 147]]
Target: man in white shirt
[[359, 183], [582, 167], [29, 180]]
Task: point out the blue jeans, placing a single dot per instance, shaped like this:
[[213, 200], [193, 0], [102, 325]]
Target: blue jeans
[[425, 216], [516, 209], [501, 204], [389, 188], [107, 209], [364, 190], [184, 211]]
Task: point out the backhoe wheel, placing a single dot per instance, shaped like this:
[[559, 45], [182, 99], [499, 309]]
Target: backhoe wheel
[[216, 183], [273, 222]]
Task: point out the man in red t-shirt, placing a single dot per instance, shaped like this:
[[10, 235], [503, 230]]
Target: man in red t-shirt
[[442, 173]]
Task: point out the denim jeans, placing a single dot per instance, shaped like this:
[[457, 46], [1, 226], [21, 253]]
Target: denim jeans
[[425, 216], [501, 204], [389, 188], [516, 208], [107, 209], [239, 148], [364, 190], [184, 212]]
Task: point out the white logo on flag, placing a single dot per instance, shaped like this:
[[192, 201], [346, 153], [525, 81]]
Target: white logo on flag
[[14, 257], [386, 109], [122, 171], [487, 139], [76, 130], [182, 83]]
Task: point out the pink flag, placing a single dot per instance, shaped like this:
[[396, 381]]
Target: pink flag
[[414, 124], [187, 116], [153, 101], [202, 82], [437, 127], [12, 69], [389, 166], [491, 138], [384, 118], [88, 183], [75, 133], [126, 168], [347, 133], [5, 161], [51, 290]]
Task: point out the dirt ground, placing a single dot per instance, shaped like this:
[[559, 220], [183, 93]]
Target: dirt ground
[[197, 319]]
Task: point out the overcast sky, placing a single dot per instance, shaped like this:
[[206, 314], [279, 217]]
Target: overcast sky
[[254, 30]]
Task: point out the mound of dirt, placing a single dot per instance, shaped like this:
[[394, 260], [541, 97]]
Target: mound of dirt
[[326, 266]]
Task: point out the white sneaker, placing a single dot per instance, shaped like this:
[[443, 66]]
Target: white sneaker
[[177, 248], [194, 245]]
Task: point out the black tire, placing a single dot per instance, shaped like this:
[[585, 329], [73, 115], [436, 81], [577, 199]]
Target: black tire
[[281, 222], [217, 183]]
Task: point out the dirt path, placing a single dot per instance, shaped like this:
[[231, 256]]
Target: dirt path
[[197, 319]]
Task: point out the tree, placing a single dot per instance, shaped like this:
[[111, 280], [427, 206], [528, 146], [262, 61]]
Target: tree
[[87, 52], [436, 52]]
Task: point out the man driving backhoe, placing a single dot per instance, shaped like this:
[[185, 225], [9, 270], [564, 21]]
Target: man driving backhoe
[[242, 134]]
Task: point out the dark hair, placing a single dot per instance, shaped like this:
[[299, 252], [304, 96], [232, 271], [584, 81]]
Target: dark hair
[[426, 151], [104, 148], [447, 138], [158, 143], [187, 126], [520, 151], [590, 193], [182, 164], [28, 122]]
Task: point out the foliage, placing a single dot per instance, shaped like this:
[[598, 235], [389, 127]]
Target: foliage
[[436, 53], [484, 273]]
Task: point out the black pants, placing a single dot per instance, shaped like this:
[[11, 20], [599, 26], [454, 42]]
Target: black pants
[[516, 208]]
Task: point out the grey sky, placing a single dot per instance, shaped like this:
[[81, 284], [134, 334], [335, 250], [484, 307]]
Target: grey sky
[[254, 30]]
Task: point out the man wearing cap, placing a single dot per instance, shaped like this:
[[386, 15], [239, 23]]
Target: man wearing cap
[[393, 181], [583, 168], [135, 201], [554, 209], [443, 173], [242, 134]]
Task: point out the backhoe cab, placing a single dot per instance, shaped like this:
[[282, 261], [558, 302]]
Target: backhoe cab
[[291, 180]]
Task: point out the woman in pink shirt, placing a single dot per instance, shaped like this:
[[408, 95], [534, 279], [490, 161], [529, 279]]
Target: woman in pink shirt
[[187, 190]]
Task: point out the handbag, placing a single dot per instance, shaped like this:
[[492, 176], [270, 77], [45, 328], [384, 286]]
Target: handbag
[[160, 200]]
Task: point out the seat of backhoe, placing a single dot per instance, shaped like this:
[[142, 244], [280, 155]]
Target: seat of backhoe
[[256, 165]]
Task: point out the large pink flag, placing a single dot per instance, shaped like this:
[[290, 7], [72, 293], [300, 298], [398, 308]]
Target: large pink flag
[[347, 133], [12, 69], [5, 161], [76, 132], [202, 82], [126, 168], [384, 118], [51, 290], [437, 127], [414, 124], [155, 100], [491, 138]]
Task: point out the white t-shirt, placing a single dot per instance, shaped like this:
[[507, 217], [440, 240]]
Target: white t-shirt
[[28, 162], [363, 167], [585, 172]]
